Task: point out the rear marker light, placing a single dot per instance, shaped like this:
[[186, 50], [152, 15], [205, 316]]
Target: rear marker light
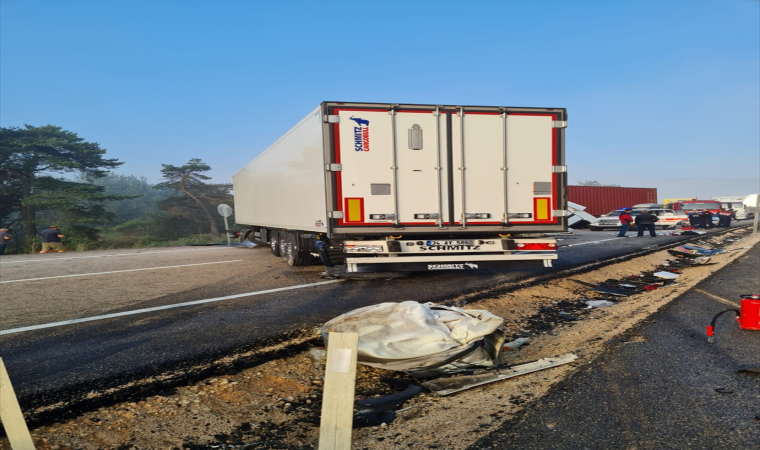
[[536, 246]]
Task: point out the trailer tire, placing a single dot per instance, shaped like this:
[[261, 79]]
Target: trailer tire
[[296, 250], [274, 242], [282, 240]]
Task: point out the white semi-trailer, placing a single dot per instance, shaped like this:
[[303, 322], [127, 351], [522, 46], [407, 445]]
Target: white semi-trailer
[[374, 187]]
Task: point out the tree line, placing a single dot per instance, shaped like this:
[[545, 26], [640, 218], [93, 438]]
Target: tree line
[[51, 176]]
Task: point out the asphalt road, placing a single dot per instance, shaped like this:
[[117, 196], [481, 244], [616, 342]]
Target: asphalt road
[[665, 388], [171, 312]]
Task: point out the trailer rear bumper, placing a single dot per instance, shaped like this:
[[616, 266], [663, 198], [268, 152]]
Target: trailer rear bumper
[[448, 262]]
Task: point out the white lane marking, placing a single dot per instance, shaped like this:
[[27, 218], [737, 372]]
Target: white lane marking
[[720, 299], [594, 242], [119, 271], [103, 256], [159, 308]]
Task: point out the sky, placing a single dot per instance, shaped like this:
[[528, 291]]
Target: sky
[[662, 94]]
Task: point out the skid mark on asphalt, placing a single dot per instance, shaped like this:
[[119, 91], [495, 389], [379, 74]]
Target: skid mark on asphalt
[[119, 271], [48, 259], [159, 308]]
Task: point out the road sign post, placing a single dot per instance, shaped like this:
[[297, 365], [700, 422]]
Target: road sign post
[[225, 211]]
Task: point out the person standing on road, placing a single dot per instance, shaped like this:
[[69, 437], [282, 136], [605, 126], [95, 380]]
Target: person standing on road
[[51, 240], [625, 220], [706, 219], [695, 219], [645, 221], [4, 238], [724, 218]]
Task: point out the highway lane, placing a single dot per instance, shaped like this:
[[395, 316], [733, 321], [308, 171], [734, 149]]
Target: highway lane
[[76, 359]]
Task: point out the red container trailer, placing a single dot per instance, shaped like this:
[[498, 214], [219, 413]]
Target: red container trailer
[[600, 200]]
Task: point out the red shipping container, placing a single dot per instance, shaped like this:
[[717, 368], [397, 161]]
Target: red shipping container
[[600, 200]]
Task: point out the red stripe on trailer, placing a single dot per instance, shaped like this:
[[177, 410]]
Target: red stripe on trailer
[[338, 178]]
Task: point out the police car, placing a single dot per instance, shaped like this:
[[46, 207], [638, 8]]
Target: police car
[[666, 218]]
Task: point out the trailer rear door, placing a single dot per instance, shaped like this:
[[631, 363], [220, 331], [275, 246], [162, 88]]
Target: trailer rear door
[[445, 167]]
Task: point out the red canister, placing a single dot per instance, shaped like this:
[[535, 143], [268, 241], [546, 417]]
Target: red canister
[[749, 319]]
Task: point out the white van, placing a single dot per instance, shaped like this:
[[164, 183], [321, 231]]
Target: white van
[[666, 218], [741, 211]]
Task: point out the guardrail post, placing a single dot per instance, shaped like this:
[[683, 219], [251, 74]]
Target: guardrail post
[[338, 394], [11, 416]]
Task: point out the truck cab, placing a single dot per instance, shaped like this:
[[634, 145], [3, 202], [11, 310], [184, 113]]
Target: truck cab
[[741, 211]]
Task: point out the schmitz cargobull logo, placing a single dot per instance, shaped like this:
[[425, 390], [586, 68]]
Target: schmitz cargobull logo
[[361, 134], [452, 266]]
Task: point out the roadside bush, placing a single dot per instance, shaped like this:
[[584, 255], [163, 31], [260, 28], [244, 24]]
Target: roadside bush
[[157, 230]]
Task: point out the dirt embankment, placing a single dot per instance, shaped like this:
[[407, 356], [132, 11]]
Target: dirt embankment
[[277, 404]]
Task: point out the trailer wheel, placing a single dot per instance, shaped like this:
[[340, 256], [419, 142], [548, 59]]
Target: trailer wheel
[[282, 240], [274, 242], [296, 251]]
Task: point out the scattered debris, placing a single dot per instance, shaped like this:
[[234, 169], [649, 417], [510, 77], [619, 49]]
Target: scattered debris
[[749, 369], [684, 263], [392, 401], [422, 339], [610, 287], [380, 410], [516, 344], [666, 275], [583, 283], [691, 251], [578, 217], [598, 303], [450, 385]]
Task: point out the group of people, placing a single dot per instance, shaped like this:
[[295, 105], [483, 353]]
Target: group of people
[[50, 238], [644, 222], [704, 218]]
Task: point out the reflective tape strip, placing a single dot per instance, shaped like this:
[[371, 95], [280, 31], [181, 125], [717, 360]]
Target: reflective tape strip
[[354, 210], [541, 206]]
